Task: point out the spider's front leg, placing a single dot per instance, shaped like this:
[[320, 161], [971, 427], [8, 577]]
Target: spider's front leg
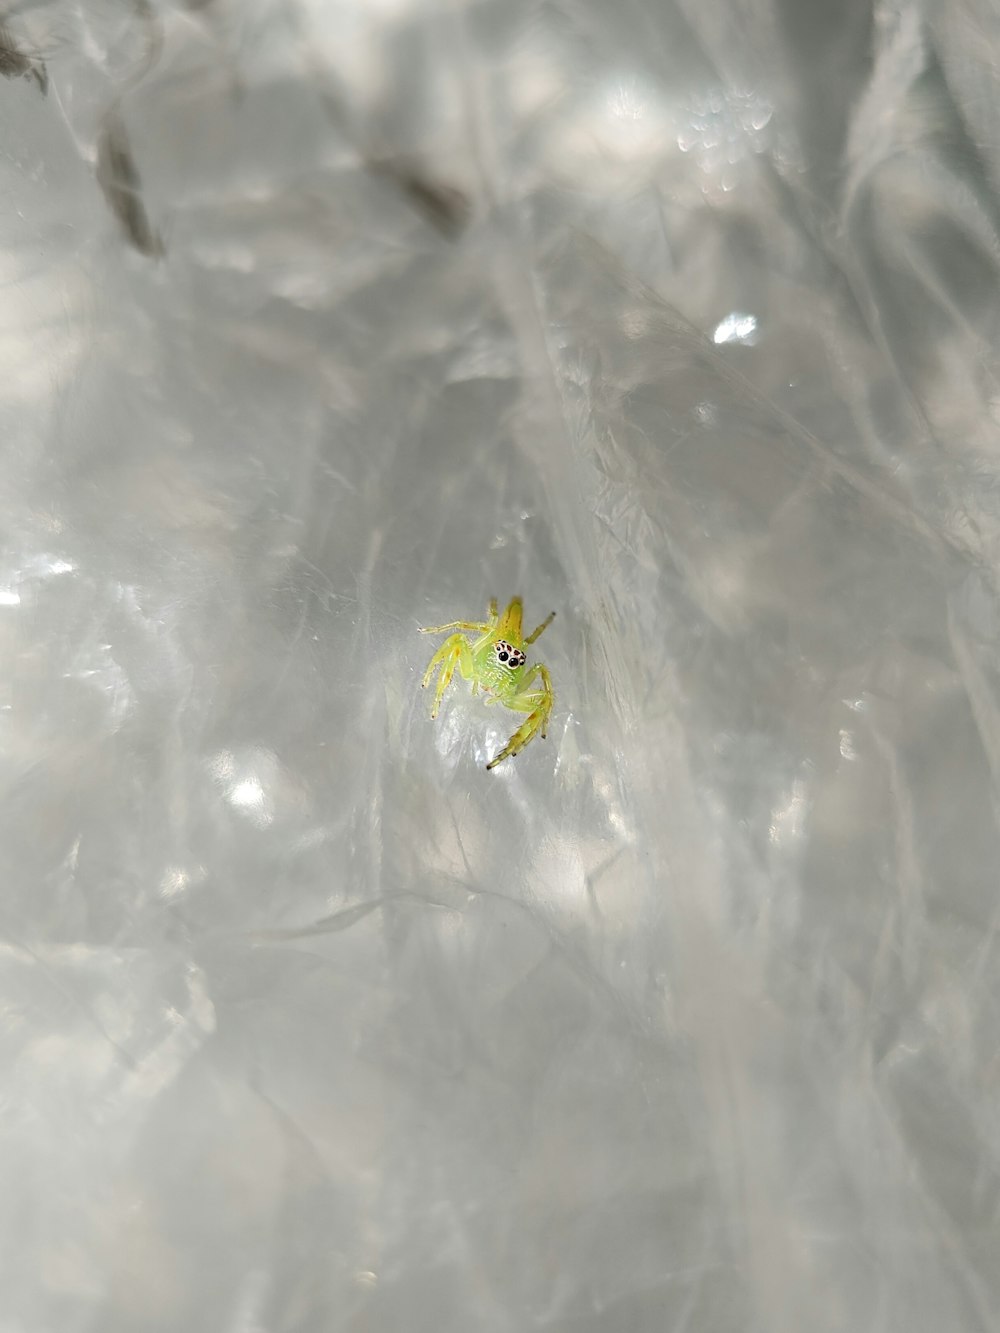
[[469, 626], [453, 652], [537, 703]]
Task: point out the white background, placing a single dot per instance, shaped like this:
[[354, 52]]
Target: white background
[[319, 322]]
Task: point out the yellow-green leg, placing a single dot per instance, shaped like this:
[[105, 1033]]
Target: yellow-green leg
[[537, 704], [469, 626], [543, 626], [453, 652]]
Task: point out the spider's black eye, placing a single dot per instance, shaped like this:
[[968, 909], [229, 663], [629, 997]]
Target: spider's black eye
[[502, 657]]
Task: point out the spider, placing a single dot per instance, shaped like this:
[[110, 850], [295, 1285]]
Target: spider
[[495, 661]]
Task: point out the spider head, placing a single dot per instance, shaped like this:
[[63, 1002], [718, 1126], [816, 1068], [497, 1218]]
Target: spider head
[[509, 657]]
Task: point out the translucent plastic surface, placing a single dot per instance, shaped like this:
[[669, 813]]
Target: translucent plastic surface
[[324, 321]]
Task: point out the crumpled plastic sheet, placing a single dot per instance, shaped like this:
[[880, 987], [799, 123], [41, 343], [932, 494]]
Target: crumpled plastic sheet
[[325, 321]]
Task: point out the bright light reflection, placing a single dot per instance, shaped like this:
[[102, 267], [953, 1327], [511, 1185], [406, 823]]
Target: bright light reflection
[[630, 123], [174, 881], [737, 327], [248, 793], [247, 783], [788, 821]]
